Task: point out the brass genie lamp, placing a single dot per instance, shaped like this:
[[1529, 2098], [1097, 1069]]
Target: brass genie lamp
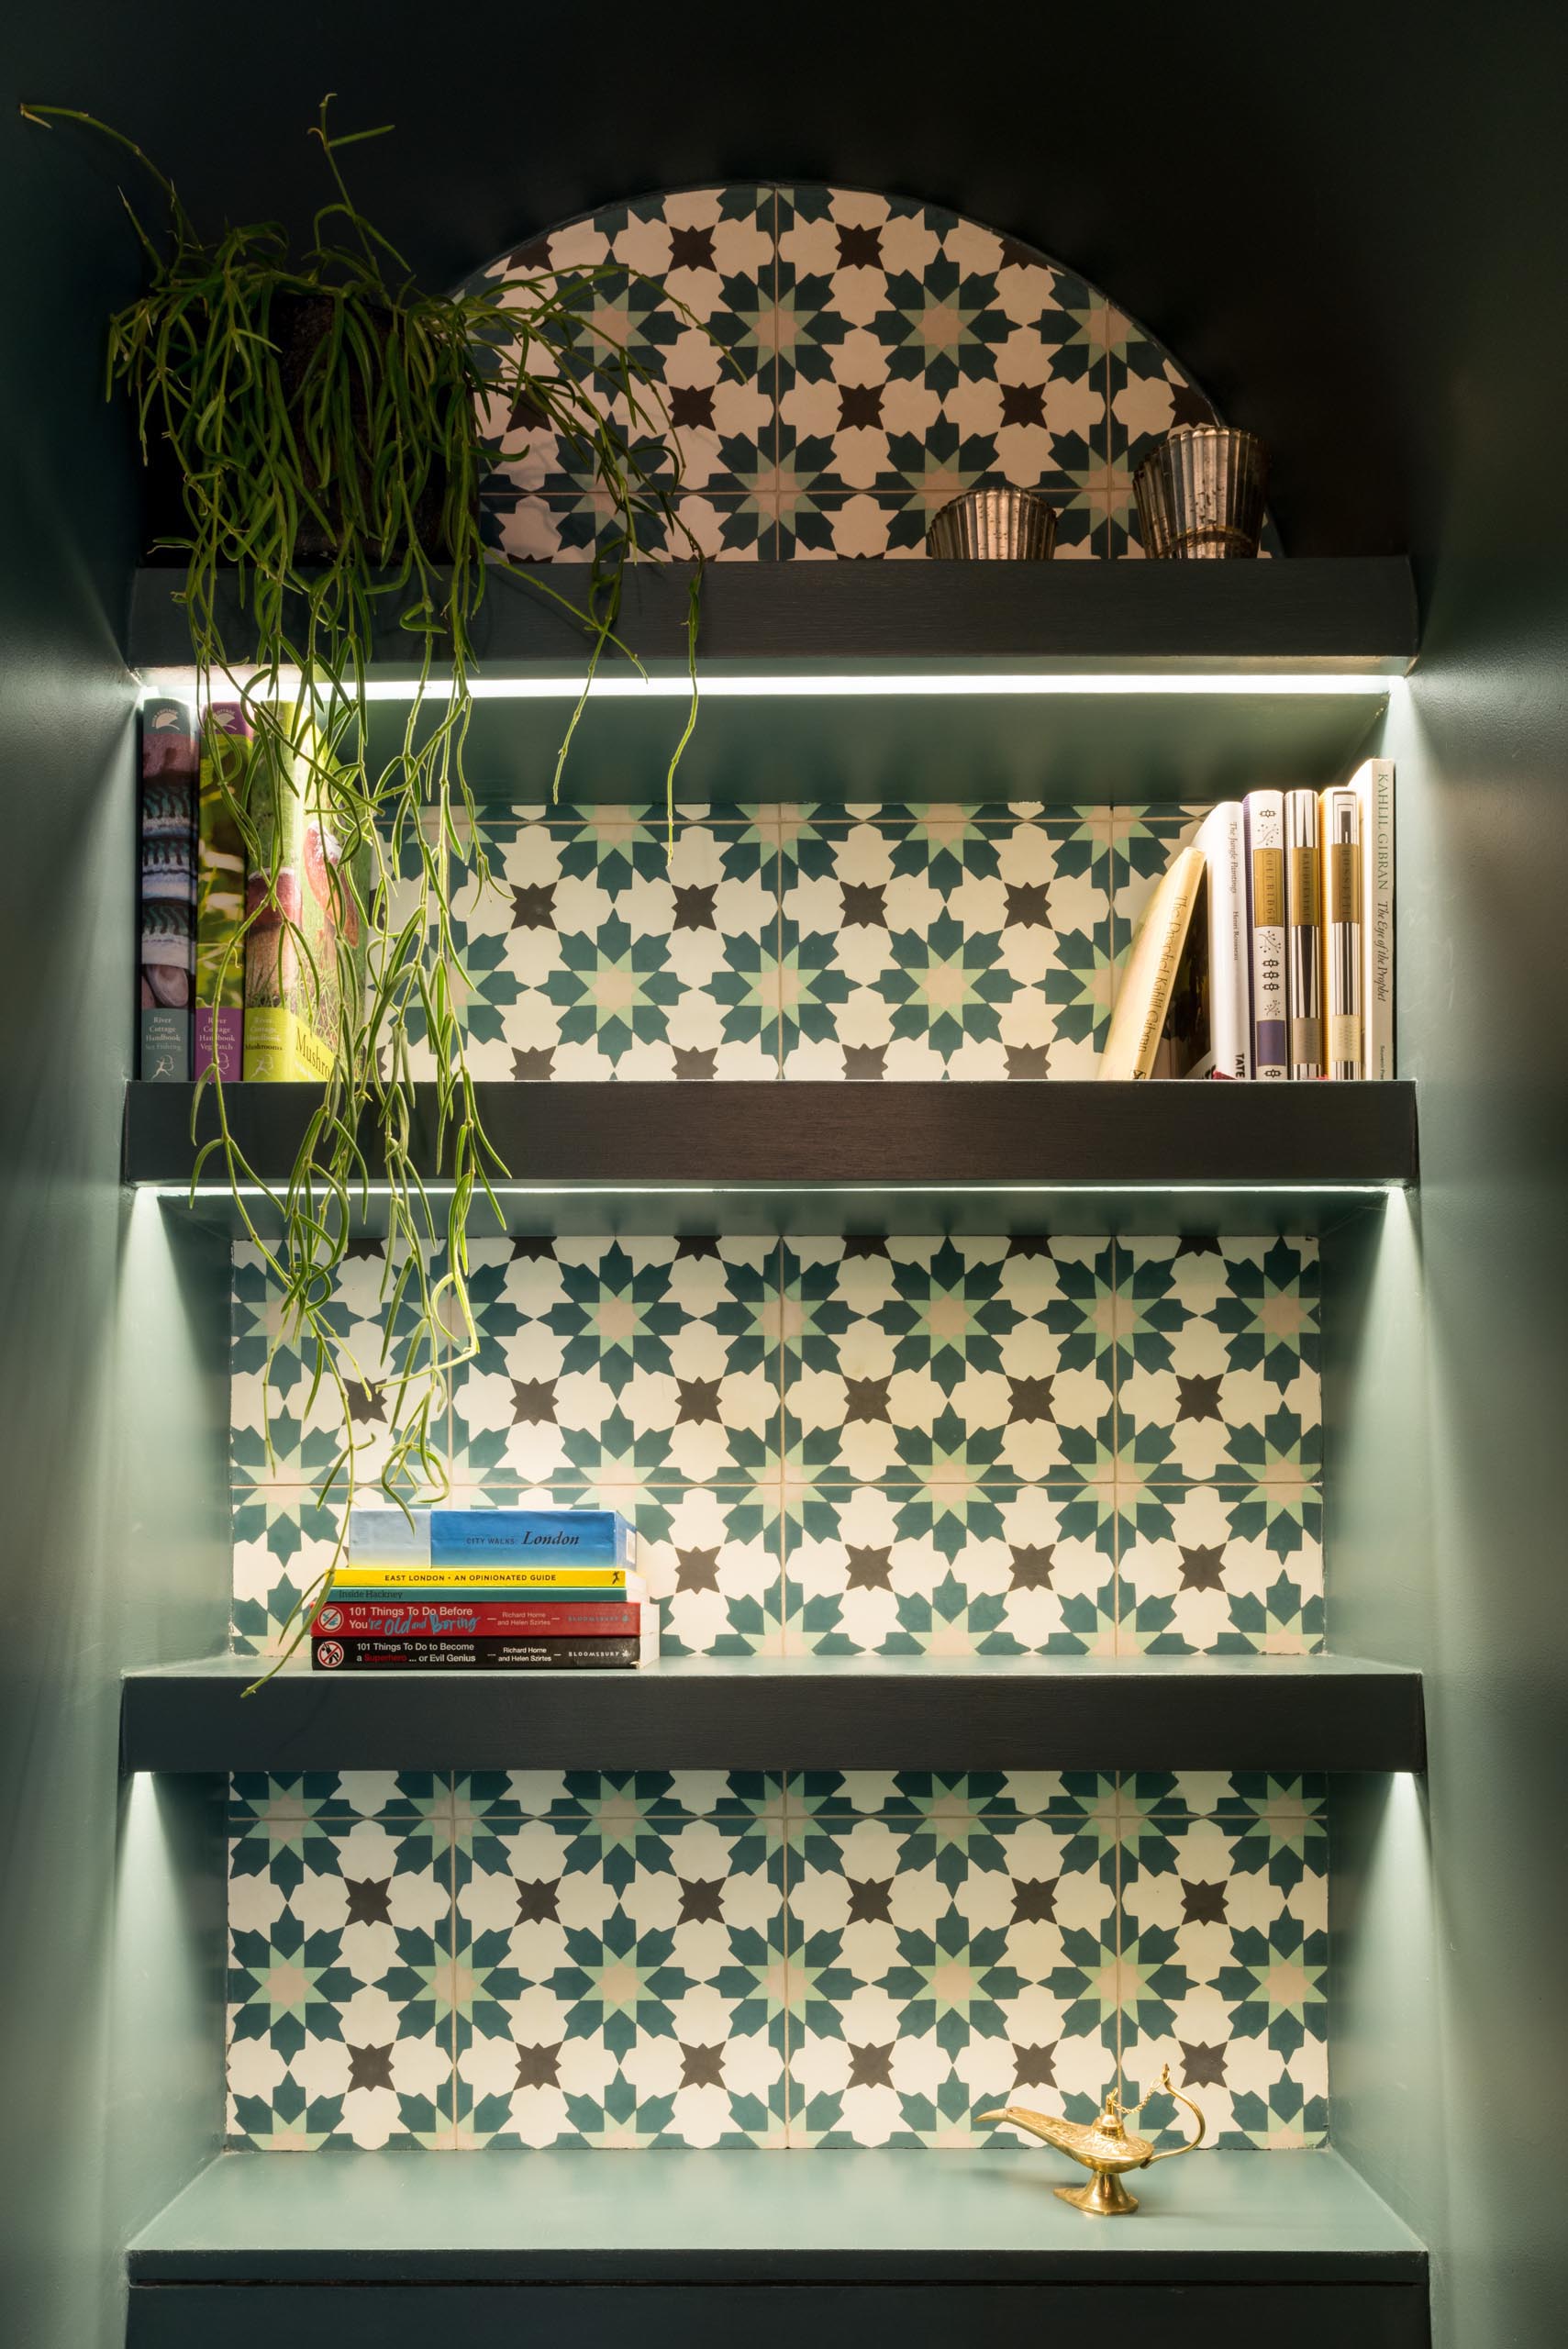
[[1103, 2147]]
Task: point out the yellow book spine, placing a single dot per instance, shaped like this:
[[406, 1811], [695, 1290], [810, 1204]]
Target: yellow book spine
[[477, 1577], [1144, 996], [280, 1048]]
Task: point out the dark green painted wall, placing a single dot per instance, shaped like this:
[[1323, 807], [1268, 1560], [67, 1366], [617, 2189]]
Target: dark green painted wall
[[110, 1544]]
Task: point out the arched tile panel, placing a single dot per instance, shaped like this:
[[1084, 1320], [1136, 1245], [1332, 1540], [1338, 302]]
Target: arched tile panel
[[846, 363]]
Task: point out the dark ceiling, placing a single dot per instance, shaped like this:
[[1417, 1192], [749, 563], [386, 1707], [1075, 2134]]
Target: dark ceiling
[[1303, 204]]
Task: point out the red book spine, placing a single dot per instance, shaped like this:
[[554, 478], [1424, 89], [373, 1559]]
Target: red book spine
[[473, 1656], [503, 1619]]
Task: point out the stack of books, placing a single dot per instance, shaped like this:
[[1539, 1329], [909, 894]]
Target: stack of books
[[485, 1590], [1268, 947]]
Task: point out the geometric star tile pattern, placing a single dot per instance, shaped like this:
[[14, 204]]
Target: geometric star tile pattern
[[946, 1445], [650, 1959], [832, 366], [801, 941]]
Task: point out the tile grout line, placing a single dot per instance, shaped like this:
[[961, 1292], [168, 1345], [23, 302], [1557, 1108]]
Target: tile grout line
[[451, 1781]]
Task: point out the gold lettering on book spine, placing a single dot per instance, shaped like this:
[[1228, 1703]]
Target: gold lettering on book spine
[[1345, 882], [1268, 888]]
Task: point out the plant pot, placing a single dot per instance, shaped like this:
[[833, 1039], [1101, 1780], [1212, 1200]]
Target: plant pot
[[1200, 495], [1000, 524], [299, 323]]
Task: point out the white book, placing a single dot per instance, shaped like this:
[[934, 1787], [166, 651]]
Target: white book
[[1264, 815], [1374, 786], [1342, 956], [1221, 842]]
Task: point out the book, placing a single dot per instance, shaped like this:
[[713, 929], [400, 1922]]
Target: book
[[1184, 1047], [305, 949], [387, 1536], [587, 1583], [1221, 842], [599, 1537], [1342, 947], [434, 1618], [1374, 786], [1143, 997], [475, 1656], [167, 956], [218, 1038], [1263, 816], [1304, 934]]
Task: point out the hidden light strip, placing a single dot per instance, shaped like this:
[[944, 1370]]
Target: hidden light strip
[[865, 685]]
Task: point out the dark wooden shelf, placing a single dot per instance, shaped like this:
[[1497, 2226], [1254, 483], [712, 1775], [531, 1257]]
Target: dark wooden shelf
[[1286, 1714], [1351, 614], [988, 1157], [1328, 628]]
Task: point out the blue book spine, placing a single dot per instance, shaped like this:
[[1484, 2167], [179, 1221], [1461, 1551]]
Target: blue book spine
[[528, 1537]]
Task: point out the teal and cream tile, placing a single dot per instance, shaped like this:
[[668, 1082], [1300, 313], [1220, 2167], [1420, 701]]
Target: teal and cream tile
[[340, 1976], [626, 1986], [611, 949], [922, 1962], [910, 1359], [863, 1579], [612, 1362], [1191, 1585]]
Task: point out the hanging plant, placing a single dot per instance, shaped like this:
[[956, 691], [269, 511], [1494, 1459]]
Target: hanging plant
[[323, 417]]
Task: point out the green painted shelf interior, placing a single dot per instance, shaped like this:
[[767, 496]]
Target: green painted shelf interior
[[755, 2217]]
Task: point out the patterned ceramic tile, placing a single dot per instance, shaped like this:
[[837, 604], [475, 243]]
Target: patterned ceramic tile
[[671, 333], [1189, 1584], [621, 1361], [868, 1572], [1218, 1347], [942, 1360], [942, 941], [1240, 2011], [828, 369], [604, 948], [625, 1976], [651, 1958], [927, 1964], [283, 1540], [271, 1384], [341, 1981]]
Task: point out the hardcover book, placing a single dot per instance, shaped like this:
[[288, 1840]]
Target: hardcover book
[[1221, 842], [305, 953], [595, 1537], [1304, 934], [1143, 998], [1342, 947], [1374, 786], [1263, 813], [387, 1536], [489, 1580], [166, 991], [220, 894], [477, 1655], [463, 1619]]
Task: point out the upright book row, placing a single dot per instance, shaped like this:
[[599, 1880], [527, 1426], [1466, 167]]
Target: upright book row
[[245, 950], [1268, 947]]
